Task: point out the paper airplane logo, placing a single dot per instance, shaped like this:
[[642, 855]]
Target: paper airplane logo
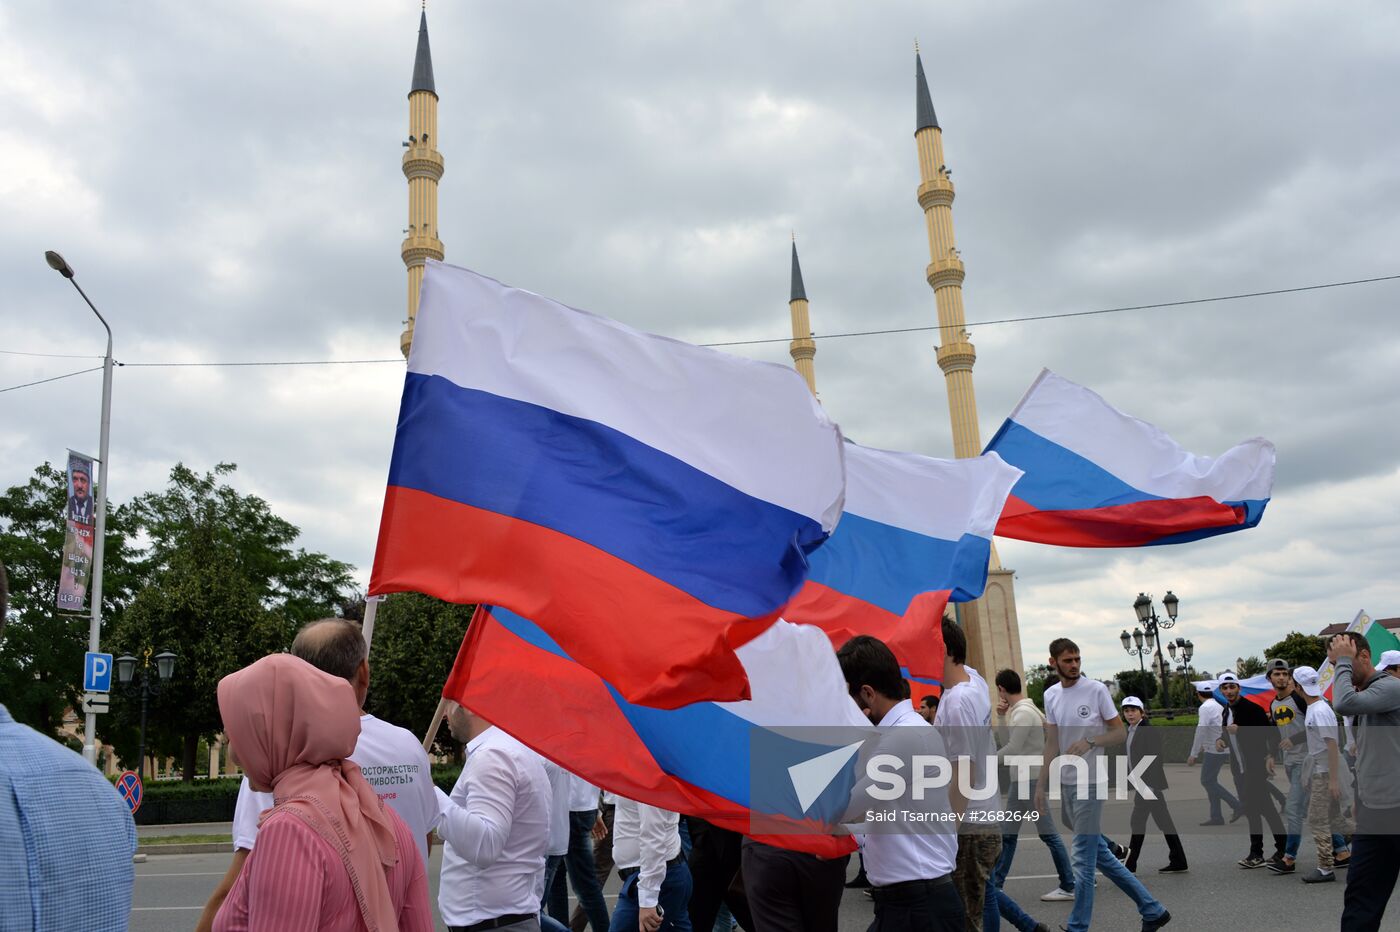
[[811, 777]]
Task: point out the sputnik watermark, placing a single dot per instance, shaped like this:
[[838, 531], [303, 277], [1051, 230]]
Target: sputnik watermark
[[887, 781]]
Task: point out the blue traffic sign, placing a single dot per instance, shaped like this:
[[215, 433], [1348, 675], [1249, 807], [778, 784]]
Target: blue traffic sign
[[97, 673], [129, 786]]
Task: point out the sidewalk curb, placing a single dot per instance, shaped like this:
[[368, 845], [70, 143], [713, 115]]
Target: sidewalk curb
[[215, 847]]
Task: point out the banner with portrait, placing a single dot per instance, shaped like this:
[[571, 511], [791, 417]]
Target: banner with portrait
[[80, 516]]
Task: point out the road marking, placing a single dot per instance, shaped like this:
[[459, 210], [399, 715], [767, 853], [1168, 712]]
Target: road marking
[[160, 909]]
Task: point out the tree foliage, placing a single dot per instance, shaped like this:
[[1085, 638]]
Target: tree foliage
[[416, 638], [1138, 683], [1299, 650], [225, 585], [41, 650], [1035, 683], [1249, 666]]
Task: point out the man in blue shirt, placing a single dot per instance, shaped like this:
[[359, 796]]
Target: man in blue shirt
[[66, 837]]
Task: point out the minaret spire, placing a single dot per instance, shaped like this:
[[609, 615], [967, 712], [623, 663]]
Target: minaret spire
[[803, 347], [423, 167], [924, 117], [993, 633]]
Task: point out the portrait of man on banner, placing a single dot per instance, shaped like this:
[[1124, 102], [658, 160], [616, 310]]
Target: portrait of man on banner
[[80, 514]]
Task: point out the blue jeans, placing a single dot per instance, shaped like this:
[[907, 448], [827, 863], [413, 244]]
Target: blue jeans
[[1090, 852], [578, 863], [673, 900], [997, 905], [1296, 811], [1210, 779]]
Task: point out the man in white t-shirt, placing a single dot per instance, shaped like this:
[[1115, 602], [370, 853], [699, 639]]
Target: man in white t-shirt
[[390, 757], [1080, 721], [1323, 773], [965, 722], [1213, 760]]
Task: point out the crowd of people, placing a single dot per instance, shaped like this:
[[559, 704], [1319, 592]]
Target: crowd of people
[[337, 814]]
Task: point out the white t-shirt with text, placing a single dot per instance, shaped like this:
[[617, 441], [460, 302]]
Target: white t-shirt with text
[[394, 763]]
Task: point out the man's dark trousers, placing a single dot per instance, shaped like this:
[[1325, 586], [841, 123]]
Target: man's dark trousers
[[1257, 801], [714, 871], [790, 891], [918, 906], [602, 867], [1375, 866]]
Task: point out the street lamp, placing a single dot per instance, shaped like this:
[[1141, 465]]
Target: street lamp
[[61, 266], [148, 686], [1135, 638], [1153, 625]]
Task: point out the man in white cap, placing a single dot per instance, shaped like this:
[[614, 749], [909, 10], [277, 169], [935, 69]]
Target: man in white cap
[[1252, 739], [1390, 663], [1325, 767], [1204, 748], [1145, 743]]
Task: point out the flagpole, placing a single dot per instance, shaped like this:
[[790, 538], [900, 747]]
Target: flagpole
[[367, 626], [437, 723]]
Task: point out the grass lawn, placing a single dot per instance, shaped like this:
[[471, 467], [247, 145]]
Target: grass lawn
[[185, 840]]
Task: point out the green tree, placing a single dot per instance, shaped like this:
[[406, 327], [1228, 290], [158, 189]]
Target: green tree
[[227, 585], [416, 638], [1299, 650], [1248, 666], [1035, 682], [1137, 683], [41, 653]]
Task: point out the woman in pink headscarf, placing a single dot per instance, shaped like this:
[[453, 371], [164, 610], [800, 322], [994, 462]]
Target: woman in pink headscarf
[[329, 855]]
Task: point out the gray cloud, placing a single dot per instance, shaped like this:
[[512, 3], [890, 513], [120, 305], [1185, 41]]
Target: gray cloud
[[227, 185]]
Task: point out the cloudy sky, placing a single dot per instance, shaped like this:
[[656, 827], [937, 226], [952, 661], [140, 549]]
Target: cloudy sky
[[225, 179]]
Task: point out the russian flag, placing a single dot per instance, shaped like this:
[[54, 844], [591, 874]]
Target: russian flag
[[647, 502], [914, 527], [698, 759], [1096, 477], [1256, 689]]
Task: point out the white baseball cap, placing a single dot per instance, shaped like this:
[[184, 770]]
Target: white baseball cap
[[1227, 677], [1132, 702], [1306, 677], [1390, 658]]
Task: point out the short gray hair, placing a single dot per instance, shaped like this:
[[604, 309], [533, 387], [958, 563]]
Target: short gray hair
[[333, 645]]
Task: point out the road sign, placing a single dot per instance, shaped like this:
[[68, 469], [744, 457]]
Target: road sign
[[97, 673], [96, 703], [129, 786]]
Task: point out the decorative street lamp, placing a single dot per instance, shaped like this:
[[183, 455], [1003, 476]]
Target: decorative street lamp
[[1153, 626], [1187, 650], [149, 685], [61, 266], [1129, 640]]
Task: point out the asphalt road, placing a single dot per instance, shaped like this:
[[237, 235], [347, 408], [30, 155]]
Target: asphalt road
[[170, 890]]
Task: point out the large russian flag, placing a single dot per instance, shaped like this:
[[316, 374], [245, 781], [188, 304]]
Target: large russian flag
[[647, 502], [1096, 477], [914, 527], [695, 759]]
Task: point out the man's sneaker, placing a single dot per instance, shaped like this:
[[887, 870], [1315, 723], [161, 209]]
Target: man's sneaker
[[1317, 876], [1276, 858], [1174, 868], [1342, 863], [1251, 862], [1152, 925], [1282, 867], [1058, 895], [1118, 851]]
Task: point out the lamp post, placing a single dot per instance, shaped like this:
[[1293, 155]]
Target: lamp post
[[1153, 626], [1187, 650], [147, 685], [61, 266], [1135, 638]]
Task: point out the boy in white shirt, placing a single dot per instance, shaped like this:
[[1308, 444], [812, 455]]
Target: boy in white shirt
[[1324, 766]]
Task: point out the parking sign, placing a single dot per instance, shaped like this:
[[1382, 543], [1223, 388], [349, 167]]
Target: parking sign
[[97, 673]]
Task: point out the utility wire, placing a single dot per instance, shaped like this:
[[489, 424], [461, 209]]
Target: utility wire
[[823, 336], [11, 352], [55, 378]]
